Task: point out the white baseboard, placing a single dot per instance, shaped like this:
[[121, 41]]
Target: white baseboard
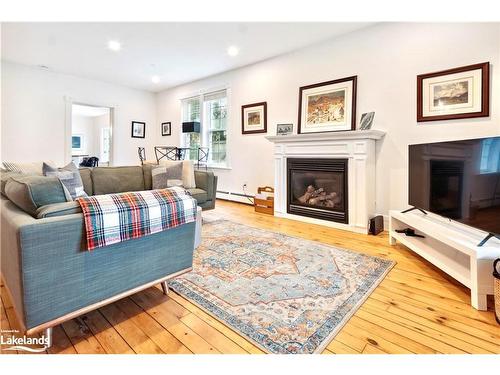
[[235, 197]]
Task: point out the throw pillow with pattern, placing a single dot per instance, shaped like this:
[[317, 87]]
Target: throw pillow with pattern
[[70, 178], [165, 177]]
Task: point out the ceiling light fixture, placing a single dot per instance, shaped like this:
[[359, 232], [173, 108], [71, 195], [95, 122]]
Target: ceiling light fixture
[[114, 45], [155, 79], [233, 51]]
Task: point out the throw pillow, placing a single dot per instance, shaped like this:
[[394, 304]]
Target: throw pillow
[[165, 177], [188, 180], [26, 168], [69, 176]]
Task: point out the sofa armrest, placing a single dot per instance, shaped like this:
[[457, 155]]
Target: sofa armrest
[[206, 180]]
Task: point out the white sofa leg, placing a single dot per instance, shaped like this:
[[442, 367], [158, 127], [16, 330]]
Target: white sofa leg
[[164, 287]]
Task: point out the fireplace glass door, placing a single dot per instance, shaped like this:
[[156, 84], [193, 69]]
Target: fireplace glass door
[[318, 188]]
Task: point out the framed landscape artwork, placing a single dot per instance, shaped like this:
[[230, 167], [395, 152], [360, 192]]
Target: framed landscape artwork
[[454, 93], [328, 106], [166, 128], [138, 129], [254, 118]]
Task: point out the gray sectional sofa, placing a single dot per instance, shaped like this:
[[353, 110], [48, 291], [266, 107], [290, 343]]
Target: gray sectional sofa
[[50, 276]]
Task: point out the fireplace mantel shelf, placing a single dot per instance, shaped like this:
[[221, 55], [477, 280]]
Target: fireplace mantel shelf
[[328, 136]]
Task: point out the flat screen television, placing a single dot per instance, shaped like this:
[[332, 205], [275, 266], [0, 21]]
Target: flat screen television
[[459, 180]]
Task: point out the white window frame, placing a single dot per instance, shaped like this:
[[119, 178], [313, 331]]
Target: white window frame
[[204, 131]]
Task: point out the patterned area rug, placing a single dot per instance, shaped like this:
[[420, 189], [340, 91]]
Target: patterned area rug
[[287, 295]]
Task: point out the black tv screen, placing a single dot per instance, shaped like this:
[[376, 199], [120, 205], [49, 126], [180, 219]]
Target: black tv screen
[[459, 180]]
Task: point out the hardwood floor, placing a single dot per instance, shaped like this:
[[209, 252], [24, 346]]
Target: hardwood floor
[[416, 309]]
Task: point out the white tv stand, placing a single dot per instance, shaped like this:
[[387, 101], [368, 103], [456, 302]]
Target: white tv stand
[[452, 247]]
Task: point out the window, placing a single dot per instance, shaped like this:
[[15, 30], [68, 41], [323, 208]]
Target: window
[[191, 112], [490, 155], [211, 110]]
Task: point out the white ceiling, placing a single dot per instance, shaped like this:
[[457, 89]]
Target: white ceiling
[[88, 111], [176, 52]]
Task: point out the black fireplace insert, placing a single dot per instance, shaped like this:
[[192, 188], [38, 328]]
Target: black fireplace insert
[[318, 188]]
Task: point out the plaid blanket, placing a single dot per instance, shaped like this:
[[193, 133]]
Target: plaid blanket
[[120, 217]]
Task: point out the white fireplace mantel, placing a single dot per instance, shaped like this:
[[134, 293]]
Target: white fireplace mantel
[[357, 146]]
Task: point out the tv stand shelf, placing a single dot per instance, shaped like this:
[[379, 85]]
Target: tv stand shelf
[[452, 247]]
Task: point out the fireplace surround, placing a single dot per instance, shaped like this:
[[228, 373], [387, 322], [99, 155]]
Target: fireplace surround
[[356, 149]]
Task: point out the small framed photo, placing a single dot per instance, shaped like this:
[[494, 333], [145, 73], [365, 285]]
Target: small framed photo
[[366, 121], [284, 129], [138, 129], [254, 118], [454, 93], [166, 128], [328, 106]]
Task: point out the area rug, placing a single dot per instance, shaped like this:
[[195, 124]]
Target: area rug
[[285, 294]]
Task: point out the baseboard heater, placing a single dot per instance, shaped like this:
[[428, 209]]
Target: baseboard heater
[[235, 197]]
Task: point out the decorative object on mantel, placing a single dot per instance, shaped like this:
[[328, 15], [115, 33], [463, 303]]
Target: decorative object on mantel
[[366, 121], [138, 129], [166, 128], [264, 200], [328, 106], [287, 295], [454, 93], [254, 118], [284, 129]]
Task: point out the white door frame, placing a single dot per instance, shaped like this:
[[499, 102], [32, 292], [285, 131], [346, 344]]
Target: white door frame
[[68, 129]]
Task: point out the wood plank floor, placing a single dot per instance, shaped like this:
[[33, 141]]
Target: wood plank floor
[[416, 309]]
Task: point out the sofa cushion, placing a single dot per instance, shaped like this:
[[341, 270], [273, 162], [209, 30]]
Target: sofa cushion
[[86, 175], [32, 192], [6, 175], [146, 171], [107, 180], [201, 196], [58, 209], [69, 176]]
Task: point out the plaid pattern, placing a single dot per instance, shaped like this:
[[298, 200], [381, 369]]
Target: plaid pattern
[[114, 218]]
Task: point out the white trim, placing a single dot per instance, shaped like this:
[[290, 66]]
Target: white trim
[[68, 120]]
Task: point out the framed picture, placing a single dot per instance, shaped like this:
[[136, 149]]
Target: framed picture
[[366, 121], [454, 93], [328, 106], [77, 142], [138, 129], [254, 118], [284, 129], [166, 128]]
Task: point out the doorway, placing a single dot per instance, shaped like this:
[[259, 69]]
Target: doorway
[[91, 135]]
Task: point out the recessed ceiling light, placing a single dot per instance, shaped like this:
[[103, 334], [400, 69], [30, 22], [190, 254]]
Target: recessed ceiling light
[[155, 79], [233, 51], [114, 45]]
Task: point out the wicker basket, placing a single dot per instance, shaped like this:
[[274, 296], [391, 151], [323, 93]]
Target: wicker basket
[[496, 275]]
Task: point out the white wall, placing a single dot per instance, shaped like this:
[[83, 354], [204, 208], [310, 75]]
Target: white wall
[[84, 125], [386, 58], [33, 114]]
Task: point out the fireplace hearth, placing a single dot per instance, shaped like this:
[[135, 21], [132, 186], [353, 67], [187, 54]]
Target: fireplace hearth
[[318, 188]]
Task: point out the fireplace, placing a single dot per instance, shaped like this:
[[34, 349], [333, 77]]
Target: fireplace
[[317, 188]]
